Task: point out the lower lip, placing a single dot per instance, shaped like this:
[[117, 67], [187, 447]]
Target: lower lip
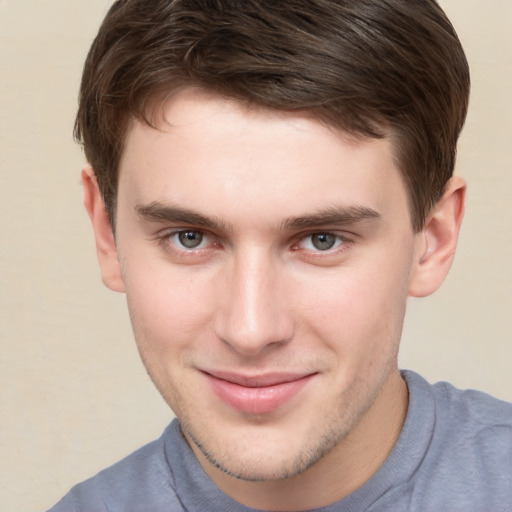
[[257, 400]]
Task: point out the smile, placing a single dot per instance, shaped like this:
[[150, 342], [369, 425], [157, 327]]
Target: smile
[[261, 394]]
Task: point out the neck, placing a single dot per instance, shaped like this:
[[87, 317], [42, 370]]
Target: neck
[[342, 471]]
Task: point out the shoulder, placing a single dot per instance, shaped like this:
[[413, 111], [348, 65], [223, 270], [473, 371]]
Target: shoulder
[[478, 427], [142, 479], [474, 417], [469, 455], [469, 408]]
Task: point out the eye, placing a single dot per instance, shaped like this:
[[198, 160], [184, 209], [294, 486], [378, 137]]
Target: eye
[[321, 242], [189, 239], [188, 245]]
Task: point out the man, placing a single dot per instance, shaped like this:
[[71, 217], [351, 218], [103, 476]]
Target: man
[[268, 182]]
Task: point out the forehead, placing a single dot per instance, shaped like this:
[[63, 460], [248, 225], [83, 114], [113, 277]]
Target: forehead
[[209, 152]]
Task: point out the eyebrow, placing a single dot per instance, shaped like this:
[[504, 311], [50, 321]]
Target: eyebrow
[[157, 211], [338, 216], [335, 216]]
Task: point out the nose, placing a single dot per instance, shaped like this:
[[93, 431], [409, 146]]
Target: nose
[[254, 311]]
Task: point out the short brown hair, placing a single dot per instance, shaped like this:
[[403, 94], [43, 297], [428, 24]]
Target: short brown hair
[[369, 67]]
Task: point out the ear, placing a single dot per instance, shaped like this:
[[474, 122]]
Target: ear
[[438, 240], [105, 243]]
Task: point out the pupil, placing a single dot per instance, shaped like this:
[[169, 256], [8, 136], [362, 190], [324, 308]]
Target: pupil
[[190, 239], [323, 241]]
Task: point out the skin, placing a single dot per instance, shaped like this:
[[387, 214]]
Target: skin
[[264, 194]]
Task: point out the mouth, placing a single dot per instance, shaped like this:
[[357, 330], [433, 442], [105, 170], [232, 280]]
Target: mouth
[[257, 394]]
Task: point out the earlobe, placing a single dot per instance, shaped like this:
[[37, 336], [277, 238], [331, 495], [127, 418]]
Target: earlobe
[[105, 243], [438, 240]]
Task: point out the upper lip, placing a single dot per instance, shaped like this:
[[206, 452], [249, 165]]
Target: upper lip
[[257, 381]]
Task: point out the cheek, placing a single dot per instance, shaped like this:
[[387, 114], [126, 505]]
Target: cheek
[[359, 312], [168, 308]]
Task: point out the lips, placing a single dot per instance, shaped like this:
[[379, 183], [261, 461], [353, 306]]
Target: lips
[[259, 394]]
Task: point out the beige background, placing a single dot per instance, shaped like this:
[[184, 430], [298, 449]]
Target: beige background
[[73, 395]]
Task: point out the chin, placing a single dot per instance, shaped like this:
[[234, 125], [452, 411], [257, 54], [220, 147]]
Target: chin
[[264, 454]]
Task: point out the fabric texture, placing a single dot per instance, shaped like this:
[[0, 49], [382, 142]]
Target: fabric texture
[[454, 454]]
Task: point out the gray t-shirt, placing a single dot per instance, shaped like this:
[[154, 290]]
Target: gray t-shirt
[[454, 454]]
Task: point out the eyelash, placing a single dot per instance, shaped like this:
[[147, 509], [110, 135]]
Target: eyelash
[[166, 240]]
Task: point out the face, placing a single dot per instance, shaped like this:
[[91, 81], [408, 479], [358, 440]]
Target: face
[[266, 260]]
